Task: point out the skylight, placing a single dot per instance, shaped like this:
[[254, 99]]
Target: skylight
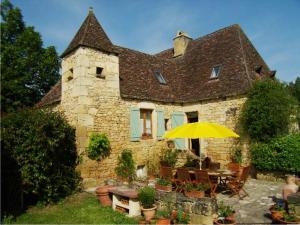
[[160, 77], [215, 72]]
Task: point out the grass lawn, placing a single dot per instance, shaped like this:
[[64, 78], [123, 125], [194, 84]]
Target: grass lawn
[[80, 208]]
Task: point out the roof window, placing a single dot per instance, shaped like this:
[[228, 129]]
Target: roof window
[[160, 77], [215, 72]]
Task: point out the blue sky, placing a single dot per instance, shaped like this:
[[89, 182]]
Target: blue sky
[[149, 25]]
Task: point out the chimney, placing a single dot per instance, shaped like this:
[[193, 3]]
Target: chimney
[[181, 41]]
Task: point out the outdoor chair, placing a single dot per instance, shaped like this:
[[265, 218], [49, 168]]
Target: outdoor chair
[[183, 178], [202, 177], [236, 185], [166, 173], [235, 168]]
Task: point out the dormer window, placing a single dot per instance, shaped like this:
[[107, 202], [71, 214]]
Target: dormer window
[[160, 77], [215, 72], [99, 71]]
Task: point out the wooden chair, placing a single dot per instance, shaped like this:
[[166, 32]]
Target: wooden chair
[[235, 168], [166, 173], [202, 177], [236, 185], [183, 177]]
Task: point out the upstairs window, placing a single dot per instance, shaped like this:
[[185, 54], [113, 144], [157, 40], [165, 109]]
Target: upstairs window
[[215, 72], [99, 71], [146, 123], [160, 77], [70, 74]]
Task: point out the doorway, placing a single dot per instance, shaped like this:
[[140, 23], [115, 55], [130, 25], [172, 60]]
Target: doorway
[[193, 143]]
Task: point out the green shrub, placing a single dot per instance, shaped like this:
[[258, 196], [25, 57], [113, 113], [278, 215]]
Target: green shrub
[[169, 158], [280, 154], [146, 196], [126, 166], [266, 113], [43, 145], [99, 146]]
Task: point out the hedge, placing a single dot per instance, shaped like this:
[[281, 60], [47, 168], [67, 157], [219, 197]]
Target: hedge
[[281, 154], [43, 145]]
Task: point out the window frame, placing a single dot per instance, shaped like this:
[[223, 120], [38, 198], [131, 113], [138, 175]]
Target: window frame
[[143, 112], [161, 79], [220, 66]]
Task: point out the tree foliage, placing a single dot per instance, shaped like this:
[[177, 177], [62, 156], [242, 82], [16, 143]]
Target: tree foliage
[[267, 111], [43, 145], [280, 154], [28, 70]]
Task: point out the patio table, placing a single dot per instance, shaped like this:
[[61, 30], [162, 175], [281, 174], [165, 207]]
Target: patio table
[[221, 175]]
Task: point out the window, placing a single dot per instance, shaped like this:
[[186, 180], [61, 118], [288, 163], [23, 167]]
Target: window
[[215, 72], [70, 74], [146, 123], [166, 124], [99, 72], [160, 77], [258, 69]]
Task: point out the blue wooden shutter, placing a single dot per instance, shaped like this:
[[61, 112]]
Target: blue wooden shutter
[[160, 124], [177, 120], [135, 132]]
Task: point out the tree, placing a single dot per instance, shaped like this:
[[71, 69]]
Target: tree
[[267, 111], [28, 70]]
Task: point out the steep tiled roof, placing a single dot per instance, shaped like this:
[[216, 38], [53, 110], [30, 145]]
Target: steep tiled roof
[[188, 76], [52, 97], [92, 35]]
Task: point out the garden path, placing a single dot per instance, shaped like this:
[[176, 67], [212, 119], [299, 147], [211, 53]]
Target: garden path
[[255, 207]]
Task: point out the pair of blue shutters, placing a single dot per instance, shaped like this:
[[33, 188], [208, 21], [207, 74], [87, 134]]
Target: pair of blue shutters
[[177, 119]]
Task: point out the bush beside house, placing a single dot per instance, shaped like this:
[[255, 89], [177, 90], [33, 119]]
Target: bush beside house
[[42, 144]]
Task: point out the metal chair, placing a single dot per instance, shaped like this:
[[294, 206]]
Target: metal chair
[[236, 185]]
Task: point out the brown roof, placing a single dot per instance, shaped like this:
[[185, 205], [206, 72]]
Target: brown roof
[[52, 97], [92, 35], [188, 76]]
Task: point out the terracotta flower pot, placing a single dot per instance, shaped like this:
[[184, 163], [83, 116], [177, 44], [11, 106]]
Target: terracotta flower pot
[[231, 217], [103, 195], [220, 222], [275, 213], [163, 188], [195, 194], [149, 213], [281, 221], [163, 221]]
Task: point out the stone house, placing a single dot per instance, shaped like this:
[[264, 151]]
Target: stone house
[[135, 97]]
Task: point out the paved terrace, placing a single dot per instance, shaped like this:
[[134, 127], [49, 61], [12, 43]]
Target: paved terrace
[[254, 208]]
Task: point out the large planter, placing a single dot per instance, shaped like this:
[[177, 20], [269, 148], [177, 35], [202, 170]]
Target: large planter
[[103, 195], [163, 221], [281, 221], [148, 213], [163, 188], [275, 214], [220, 222], [195, 194]]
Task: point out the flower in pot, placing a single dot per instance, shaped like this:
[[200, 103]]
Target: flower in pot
[[225, 214], [169, 158], [288, 218], [146, 197], [164, 217], [163, 185], [196, 190], [277, 211], [181, 217]]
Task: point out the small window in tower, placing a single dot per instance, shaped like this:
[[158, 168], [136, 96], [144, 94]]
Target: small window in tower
[[258, 69], [70, 74], [160, 77], [99, 71], [215, 72]]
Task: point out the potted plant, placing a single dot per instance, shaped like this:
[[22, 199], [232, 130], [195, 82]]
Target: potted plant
[[146, 197], [164, 217], [288, 218], [163, 185], [152, 170], [276, 211], [226, 215], [181, 217], [126, 166], [169, 158], [195, 190]]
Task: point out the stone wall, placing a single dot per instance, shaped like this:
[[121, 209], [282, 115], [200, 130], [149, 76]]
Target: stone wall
[[201, 211], [93, 104]]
